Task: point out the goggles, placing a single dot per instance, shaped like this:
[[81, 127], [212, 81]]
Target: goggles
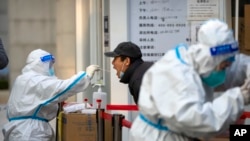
[[48, 58], [224, 49]]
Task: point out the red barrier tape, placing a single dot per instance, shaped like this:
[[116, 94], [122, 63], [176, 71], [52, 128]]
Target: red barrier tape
[[122, 107], [106, 116], [245, 115], [126, 123]]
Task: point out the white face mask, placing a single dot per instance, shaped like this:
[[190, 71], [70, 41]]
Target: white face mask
[[121, 72]]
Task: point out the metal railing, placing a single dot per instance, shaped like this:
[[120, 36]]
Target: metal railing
[[118, 121]]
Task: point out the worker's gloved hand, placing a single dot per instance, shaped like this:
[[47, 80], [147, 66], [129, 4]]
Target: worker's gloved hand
[[245, 91], [91, 69]]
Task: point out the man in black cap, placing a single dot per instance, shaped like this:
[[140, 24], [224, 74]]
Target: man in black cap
[[129, 66]]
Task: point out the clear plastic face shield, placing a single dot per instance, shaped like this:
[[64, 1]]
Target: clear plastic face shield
[[51, 60], [217, 77]]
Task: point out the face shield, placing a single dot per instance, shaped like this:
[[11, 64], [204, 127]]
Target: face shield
[[224, 49], [50, 59], [217, 77], [216, 43]]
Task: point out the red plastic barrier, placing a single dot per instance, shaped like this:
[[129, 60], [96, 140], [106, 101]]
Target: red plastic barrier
[[109, 117], [106, 116], [122, 107], [126, 123], [245, 115]]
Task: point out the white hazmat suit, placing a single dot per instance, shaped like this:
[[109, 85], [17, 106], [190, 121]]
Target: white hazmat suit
[[175, 104], [35, 95]]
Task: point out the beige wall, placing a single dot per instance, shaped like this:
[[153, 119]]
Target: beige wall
[[45, 24], [49, 25], [65, 39], [31, 26]]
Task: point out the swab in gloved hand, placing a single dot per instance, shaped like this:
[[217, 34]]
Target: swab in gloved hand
[[91, 69], [245, 91]]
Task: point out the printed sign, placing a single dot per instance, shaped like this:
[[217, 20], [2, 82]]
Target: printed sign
[[157, 26]]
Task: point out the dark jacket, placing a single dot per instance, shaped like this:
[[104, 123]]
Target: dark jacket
[[133, 77], [3, 57]]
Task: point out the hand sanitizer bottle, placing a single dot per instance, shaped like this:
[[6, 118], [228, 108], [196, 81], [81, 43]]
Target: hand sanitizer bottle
[[99, 95]]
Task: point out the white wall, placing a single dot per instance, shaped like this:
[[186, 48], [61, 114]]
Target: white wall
[[118, 33]]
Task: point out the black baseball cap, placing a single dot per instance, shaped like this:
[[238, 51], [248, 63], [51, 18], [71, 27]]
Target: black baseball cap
[[128, 49]]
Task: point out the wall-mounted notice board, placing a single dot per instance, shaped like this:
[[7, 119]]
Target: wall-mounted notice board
[[157, 26]]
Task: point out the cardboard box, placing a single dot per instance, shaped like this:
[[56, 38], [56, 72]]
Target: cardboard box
[[244, 30], [108, 131], [79, 127], [241, 32], [247, 26], [83, 127]]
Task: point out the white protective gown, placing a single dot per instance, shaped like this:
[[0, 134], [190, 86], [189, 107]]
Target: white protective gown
[[175, 105], [176, 100], [34, 99]]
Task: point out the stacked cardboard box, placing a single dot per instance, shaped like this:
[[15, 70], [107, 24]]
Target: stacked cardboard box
[[79, 127], [83, 127]]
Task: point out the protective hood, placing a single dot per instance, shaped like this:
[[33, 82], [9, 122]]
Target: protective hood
[[34, 63], [213, 33]]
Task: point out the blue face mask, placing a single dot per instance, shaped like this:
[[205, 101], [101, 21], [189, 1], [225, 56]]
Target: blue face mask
[[215, 78]]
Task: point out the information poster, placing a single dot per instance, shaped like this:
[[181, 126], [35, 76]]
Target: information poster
[[199, 10], [157, 26]]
